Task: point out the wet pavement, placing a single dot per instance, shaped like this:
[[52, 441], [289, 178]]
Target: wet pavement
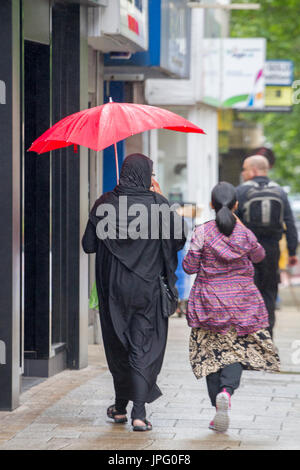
[[68, 411]]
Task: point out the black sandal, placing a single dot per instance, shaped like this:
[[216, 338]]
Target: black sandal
[[147, 427], [112, 412]]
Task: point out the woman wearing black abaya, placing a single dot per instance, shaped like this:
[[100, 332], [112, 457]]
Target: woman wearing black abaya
[[127, 276]]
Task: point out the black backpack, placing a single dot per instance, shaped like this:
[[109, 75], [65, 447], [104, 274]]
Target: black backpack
[[263, 209]]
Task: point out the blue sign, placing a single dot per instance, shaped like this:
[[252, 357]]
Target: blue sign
[[169, 40], [279, 73]]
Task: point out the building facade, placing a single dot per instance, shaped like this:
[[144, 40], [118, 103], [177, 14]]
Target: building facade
[[188, 163], [56, 62], [44, 288]]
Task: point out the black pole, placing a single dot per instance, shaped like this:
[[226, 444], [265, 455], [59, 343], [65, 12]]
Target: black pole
[[10, 204]]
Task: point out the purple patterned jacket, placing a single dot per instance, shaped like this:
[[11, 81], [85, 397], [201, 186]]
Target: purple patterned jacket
[[224, 294]]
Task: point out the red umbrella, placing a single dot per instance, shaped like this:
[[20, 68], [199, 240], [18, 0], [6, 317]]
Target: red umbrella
[[105, 125]]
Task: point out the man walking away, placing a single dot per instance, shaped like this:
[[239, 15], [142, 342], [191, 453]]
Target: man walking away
[[264, 208]]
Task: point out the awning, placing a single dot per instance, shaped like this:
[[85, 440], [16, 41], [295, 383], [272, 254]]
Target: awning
[[89, 3]]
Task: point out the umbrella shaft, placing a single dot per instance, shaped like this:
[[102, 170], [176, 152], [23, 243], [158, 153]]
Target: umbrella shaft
[[117, 162]]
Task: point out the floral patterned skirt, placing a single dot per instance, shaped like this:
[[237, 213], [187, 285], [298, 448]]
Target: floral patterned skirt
[[211, 351]]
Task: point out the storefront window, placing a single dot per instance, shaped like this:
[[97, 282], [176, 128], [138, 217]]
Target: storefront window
[[172, 165]]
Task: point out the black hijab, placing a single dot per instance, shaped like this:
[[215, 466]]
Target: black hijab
[[145, 257], [136, 173]]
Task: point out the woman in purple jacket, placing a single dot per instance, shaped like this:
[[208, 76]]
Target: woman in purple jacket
[[225, 309]]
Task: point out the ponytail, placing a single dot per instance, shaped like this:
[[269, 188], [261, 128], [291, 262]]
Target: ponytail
[[225, 221], [223, 199]]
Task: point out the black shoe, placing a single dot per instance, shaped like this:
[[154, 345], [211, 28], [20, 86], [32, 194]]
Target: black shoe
[[147, 427], [112, 412]]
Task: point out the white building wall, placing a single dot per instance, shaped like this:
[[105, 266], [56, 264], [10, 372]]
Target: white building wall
[[184, 98], [202, 157]]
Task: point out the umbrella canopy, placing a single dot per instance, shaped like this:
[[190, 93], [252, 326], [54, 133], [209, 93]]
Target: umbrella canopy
[[102, 126]]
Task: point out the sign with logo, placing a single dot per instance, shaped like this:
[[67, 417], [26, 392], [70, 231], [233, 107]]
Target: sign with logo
[[243, 81], [233, 73], [279, 77], [279, 72], [2, 92], [122, 26], [134, 21]]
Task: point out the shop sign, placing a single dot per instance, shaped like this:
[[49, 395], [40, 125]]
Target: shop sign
[[233, 73], [134, 21], [279, 72], [278, 97], [243, 83], [169, 38], [279, 76]]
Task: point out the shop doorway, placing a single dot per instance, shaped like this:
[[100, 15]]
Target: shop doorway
[[36, 292]]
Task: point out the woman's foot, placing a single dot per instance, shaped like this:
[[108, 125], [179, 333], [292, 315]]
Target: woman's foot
[[221, 420], [114, 414], [141, 425]]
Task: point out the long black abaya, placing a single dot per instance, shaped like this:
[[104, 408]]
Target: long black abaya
[[127, 277]]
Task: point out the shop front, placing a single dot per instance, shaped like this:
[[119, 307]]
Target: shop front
[[44, 274]]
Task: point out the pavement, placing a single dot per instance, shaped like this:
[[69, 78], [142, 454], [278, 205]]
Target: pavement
[[68, 411]]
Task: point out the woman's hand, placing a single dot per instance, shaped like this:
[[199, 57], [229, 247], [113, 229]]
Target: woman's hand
[[155, 186], [293, 260]]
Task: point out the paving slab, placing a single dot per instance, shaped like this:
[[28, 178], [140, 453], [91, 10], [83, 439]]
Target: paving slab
[[68, 411]]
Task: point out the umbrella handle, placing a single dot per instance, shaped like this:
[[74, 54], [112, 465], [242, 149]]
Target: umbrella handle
[[117, 162]]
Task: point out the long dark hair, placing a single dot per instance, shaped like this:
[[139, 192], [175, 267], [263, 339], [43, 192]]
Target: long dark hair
[[223, 198]]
